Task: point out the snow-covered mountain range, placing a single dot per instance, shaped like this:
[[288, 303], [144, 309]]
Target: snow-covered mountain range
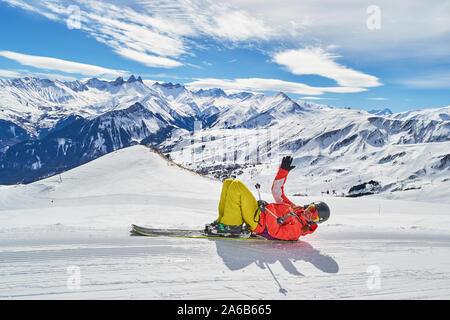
[[47, 127], [336, 151]]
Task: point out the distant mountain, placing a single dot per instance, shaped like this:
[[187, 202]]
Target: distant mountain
[[50, 126], [79, 142], [36, 105], [336, 151], [10, 134], [216, 92], [384, 112], [437, 114], [47, 127]]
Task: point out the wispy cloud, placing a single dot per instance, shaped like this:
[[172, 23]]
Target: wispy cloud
[[315, 61], [147, 59], [414, 28], [30, 7], [49, 63], [26, 73], [19, 73], [170, 28], [262, 84], [212, 19], [9, 74], [175, 33], [52, 76], [238, 26], [156, 33], [378, 99], [131, 34], [437, 80]]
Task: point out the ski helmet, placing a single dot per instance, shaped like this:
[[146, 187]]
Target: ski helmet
[[322, 210]]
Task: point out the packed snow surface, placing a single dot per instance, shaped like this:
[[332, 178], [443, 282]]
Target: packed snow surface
[[67, 237]]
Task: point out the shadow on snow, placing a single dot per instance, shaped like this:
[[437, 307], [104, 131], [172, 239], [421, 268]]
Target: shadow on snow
[[240, 254]]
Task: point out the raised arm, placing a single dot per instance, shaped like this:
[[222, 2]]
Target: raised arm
[[280, 179]]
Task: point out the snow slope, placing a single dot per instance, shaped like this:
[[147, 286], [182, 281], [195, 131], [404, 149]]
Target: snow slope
[[136, 181], [371, 248]]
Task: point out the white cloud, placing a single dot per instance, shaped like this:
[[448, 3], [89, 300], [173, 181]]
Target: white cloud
[[9, 74], [147, 59], [51, 76], [155, 33], [378, 99], [29, 7], [134, 35], [413, 28], [315, 61], [26, 73], [212, 19], [161, 33], [239, 26], [61, 65], [262, 84], [129, 35], [437, 80]]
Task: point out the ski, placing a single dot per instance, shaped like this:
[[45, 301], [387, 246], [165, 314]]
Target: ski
[[189, 233]]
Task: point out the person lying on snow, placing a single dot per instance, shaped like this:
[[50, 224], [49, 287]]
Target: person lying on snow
[[282, 220]]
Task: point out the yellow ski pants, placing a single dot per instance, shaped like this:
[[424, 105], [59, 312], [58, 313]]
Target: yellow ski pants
[[237, 205]]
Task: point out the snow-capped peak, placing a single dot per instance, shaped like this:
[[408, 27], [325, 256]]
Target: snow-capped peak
[[168, 89], [132, 79], [214, 92], [99, 84], [281, 94], [384, 112], [119, 81]]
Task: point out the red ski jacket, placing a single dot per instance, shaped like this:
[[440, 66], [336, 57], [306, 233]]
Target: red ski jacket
[[292, 228]]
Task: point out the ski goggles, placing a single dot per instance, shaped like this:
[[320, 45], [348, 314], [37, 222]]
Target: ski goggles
[[311, 213]]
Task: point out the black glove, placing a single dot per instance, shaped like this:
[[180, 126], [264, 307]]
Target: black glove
[[262, 205], [286, 163]]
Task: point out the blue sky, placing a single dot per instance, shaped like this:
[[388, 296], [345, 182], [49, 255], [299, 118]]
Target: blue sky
[[346, 54]]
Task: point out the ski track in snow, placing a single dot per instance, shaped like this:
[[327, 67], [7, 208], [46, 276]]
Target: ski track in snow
[[114, 265]]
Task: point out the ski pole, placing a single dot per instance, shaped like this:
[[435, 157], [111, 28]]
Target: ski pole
[[257, 186], [282, 290], [280, 220]]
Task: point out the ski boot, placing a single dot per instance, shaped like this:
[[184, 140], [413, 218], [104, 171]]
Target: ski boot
[[211, 225], [223, 230]]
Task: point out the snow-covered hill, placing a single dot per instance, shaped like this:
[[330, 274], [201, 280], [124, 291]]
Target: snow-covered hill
[[138, 177], [67, 237]]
